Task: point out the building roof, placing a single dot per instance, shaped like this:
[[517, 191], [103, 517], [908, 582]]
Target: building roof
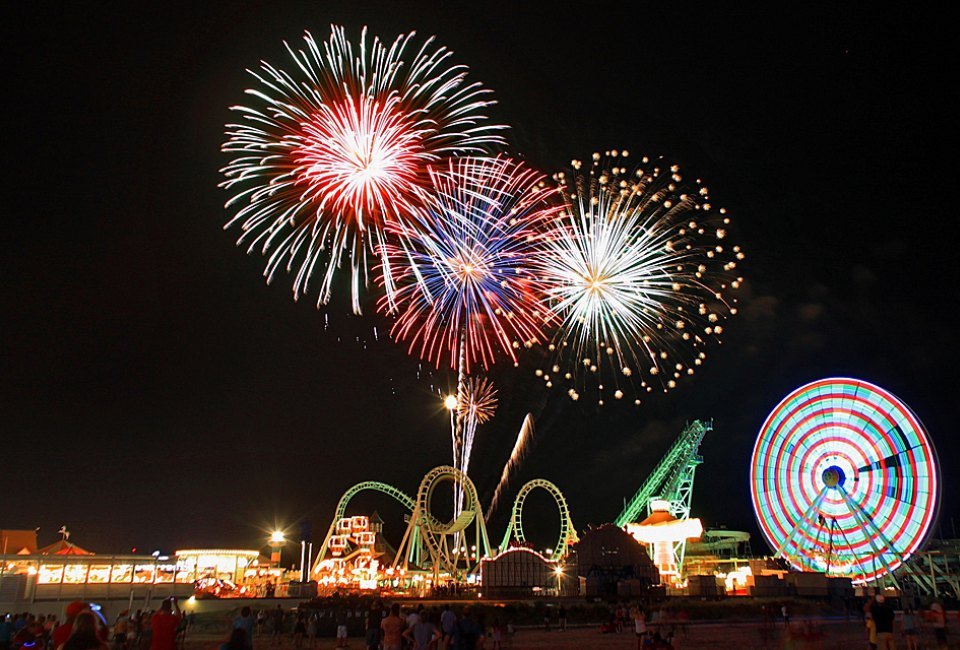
[[64, 547], [18, 542]]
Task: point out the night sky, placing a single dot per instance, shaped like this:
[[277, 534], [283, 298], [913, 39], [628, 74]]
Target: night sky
[[156, 393]]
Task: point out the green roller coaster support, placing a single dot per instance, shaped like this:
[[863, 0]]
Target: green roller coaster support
[[443, 545], [568, 534], [671, 480], [372, 486]]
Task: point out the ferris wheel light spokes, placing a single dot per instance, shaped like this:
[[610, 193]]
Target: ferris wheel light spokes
[[799, 525], [844, 480]]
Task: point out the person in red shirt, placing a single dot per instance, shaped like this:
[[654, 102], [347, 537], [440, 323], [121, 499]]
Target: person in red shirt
[[392, 627], [164, 624], [62, 632], [85, 634]]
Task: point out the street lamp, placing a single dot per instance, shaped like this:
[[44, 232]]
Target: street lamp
[[277, 540]]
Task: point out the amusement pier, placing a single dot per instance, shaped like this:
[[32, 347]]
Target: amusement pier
[[844, 483]]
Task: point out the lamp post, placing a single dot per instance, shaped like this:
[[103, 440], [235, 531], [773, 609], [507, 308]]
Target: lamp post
[[277, 541]]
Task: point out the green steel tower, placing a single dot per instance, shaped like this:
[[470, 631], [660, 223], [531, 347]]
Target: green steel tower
[[671, 480]]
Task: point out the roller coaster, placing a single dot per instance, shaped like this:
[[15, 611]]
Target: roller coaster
[[568, 534], [441, 547]]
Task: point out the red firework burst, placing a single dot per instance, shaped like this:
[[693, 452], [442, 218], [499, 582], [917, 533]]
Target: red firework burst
[[337, 151]]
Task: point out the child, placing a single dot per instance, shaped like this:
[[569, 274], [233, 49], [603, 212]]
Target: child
[[496, 635]]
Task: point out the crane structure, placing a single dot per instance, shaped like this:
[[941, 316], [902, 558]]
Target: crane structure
[[671, 481]]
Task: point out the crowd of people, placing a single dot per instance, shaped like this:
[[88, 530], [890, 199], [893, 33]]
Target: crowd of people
[[384, 628], [880, 621], [85, 628], [654, 629], [421, 628]]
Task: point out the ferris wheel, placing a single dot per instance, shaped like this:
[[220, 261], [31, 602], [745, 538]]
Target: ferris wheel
[[844, 480]]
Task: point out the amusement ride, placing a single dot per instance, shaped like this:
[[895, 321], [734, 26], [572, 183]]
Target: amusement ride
[[430, 545], [664, 500], [845, 480]]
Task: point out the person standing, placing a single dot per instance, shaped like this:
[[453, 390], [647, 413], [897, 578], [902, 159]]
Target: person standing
[[563, 618], [238, 640], [423, 634], [911, 629], [640, 626], [496, 635], [49, 625], [883, 616], [246, 623], [871, 631], [182, 631], [164, 625], [938, 621], [448, 623], [136, 628], [469, 633], [84, 635], [146, 630], [6, 633], [392, 627], [299, 630], [374, 618], [413, 617], [121, 630], [278, 617], [341, 618], [62, 632], [313, 627]]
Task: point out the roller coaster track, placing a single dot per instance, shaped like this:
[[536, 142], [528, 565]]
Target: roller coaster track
[[371, 486], [568, 534], [442, 545], [444, 542], [672, 478]]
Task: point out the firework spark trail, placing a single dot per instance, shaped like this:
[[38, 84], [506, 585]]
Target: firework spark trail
[[516, 456], [635, 271], [339, 146]]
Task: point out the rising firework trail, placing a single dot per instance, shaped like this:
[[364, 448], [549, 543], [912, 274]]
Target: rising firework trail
[[524, 437], [334, 151], [636, 272]]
